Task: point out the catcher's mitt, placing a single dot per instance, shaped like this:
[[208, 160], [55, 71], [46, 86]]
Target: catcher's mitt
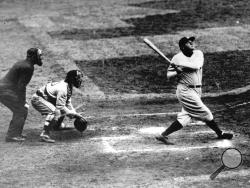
[[80, 124]]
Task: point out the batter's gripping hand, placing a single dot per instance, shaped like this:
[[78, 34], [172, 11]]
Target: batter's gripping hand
[[26, 106], [179, 70]]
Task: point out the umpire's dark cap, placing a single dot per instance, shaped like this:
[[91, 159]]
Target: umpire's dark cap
[[31, 52], [184, 40]]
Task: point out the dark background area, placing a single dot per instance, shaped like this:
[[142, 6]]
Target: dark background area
[[194, 14], [222, 71]]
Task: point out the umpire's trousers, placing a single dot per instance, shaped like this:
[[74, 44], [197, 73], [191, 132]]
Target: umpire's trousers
[[9, 98]]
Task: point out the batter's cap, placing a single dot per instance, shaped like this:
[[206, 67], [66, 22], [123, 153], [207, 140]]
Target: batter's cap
[[184, 40]]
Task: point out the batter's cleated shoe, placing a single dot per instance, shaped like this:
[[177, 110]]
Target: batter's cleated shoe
[[163, 139], [228, 136]]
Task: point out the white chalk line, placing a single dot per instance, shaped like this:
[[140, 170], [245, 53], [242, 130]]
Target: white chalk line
[[165, 149], [115, 138], [133, 115], [107, 148], [159, 130], [151, 114], [109, 141]]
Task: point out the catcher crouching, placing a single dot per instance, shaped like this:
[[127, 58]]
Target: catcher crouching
[[54, 101]]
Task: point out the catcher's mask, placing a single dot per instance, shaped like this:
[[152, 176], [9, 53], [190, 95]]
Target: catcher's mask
[[74, 77]]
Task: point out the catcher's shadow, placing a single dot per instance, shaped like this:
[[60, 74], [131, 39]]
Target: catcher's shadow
[[33, 136], [66, 135]]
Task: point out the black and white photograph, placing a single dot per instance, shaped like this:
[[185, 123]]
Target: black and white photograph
[[125, 93]]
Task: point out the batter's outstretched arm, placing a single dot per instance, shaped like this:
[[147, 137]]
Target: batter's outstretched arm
[[171, 74]]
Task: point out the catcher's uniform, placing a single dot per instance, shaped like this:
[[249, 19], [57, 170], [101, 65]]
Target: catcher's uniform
[[189, 88], [52, 96], [13, 95]]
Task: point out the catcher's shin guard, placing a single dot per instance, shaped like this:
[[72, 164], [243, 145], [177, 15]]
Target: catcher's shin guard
[[56, 124], [50, 122]]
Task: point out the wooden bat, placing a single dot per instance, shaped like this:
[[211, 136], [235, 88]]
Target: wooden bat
[[157, 50]]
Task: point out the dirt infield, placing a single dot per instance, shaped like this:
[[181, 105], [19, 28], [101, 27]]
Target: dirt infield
[[126, 97]]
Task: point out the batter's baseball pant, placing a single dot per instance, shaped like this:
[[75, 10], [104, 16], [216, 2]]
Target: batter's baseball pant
[[192, 105]]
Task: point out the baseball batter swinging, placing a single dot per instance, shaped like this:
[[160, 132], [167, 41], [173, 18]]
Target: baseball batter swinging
[[187, 66]]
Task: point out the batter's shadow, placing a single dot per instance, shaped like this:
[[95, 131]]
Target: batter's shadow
[[179, 140]]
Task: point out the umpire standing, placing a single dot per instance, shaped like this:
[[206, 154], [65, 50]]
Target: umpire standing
[[187, 66], [13, 92]]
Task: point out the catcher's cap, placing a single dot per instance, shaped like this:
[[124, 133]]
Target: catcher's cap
[[184, 40]]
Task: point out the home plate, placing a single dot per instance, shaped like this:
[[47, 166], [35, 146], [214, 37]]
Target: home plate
[[152, 130]]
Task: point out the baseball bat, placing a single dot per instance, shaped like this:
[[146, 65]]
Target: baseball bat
[[157, 50]]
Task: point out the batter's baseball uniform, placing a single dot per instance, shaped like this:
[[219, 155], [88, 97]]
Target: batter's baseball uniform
[[187, 66], [189, 88]]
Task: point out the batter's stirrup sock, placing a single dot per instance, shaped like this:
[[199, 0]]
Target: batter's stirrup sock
[[175, 126], [211, 124]]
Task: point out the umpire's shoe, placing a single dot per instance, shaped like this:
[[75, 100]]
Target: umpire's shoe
[[163, 139], [14, 139], [228, 136]]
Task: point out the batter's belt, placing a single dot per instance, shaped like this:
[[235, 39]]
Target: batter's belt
[[192, 86]]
